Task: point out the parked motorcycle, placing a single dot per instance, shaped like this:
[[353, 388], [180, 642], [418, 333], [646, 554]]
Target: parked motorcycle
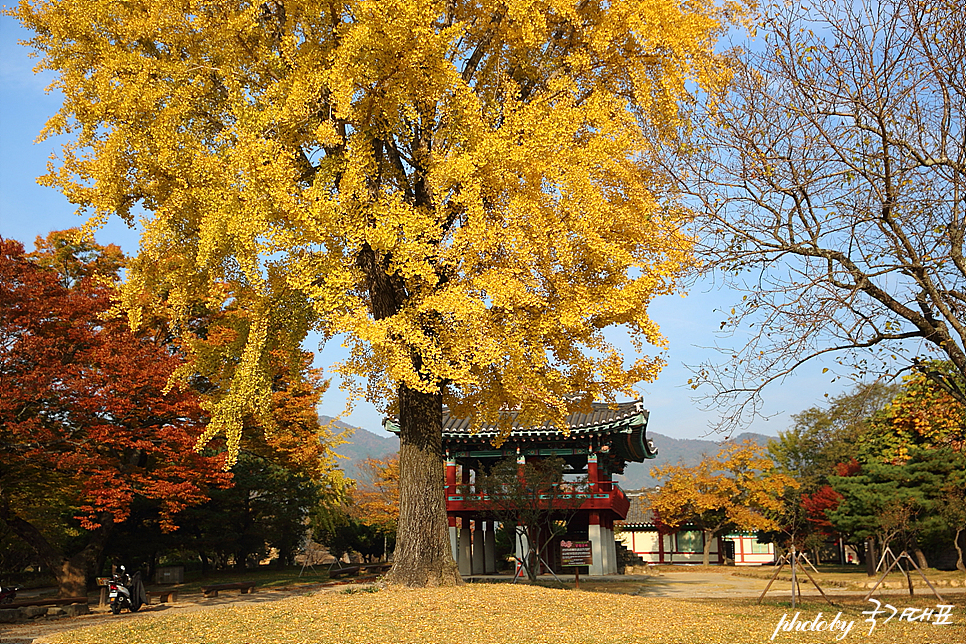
[[126, 591], [8, 594]]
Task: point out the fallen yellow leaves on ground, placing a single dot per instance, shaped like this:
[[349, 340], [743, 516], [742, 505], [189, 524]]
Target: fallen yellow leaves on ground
[[510, 614]]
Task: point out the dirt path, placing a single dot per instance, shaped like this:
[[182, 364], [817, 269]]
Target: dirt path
[[687, 585], [36, 631]]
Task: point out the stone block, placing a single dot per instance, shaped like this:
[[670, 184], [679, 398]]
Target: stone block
[[76, 609], [56, 611], [8, 615], [34, 611]]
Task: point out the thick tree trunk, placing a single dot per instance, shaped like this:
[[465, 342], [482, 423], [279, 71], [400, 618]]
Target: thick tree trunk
[[708, 535], [920, 556], [423, 554], [71, 572], [959, 551], [99, 563], [871, 557], [72, 576], [532, 562], [860, 554]]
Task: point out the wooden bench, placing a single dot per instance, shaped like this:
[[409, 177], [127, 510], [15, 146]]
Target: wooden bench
[[343, 572], [353, 570], [164, 596], [243, 587], [54, 601]]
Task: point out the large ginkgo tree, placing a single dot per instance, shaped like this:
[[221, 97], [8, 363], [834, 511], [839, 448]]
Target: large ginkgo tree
[[462, 193]]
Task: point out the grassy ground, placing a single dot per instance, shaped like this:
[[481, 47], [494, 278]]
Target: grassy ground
[[512, 614], [265, 577]]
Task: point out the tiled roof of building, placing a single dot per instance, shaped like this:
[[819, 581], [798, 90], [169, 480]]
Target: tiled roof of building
[[638, 514], [603, 418], [624, 425]]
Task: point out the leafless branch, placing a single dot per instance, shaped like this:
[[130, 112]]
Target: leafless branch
[[831, 185]]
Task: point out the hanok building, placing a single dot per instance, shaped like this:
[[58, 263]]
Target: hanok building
[[641, 535], [598, 444]]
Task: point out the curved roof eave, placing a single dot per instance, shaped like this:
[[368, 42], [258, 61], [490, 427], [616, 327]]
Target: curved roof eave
[[628, 418]]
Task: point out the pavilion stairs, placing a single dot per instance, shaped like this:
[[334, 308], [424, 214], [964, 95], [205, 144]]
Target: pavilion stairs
[[629, 563]]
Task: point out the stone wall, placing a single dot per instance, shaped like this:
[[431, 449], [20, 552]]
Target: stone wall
[[24, 613]]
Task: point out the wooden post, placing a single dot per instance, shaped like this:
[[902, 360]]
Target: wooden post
[[592, 473], [815, 583], [778, 569], [450, 476], [870, 566], [908, 579], [783, 560], [923, 575]]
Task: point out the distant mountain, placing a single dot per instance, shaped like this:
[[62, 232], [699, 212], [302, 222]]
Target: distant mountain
[[671, 451], [362, 444]]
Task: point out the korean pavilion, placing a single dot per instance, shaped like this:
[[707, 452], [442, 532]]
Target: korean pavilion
[[598, 445]]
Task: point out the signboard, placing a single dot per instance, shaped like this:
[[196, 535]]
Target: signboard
[[575, 553]]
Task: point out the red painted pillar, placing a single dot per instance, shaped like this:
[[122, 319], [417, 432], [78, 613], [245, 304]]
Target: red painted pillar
[[450, 476], [592, 475]]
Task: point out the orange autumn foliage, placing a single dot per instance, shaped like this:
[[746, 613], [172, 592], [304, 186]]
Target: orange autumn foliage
[[739, 488], [83, 401], [921, 415], [376, 500]]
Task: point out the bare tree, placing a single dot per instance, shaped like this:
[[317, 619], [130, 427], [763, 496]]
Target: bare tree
[[536, 499], [832, 178]]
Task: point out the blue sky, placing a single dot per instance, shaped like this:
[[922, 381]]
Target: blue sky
[[28, 210]]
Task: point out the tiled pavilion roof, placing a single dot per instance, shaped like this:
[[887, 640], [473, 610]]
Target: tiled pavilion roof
[[623, 425]]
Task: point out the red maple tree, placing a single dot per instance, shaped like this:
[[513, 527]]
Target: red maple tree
[[825, 498], [815, 506], [85, 421]]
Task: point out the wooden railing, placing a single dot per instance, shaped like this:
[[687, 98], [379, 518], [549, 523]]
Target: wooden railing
[[606, 495]]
